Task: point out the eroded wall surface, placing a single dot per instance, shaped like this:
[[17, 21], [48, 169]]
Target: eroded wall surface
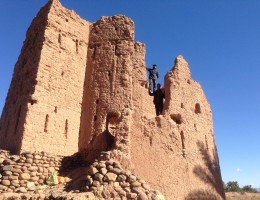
[[43, 107], [175, 152], [107, 105], [82, 87]]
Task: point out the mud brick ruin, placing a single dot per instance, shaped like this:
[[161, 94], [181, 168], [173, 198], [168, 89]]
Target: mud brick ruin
[[80, 87]]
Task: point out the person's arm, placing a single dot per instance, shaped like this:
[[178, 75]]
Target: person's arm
[[157, 74], [150, 93]]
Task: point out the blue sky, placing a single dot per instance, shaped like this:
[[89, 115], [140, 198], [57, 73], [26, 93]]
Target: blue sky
[[219, 39]]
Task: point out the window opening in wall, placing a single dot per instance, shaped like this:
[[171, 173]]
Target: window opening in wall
[[109, 73], [59, 39], [115, 49], [182, 106], [66, 128], [97, 101], [46, 123], [77, 46], [95, 118], [182, 140], [111, 122], [197, 108], [17, 120]]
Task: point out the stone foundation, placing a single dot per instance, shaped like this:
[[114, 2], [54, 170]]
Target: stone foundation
[[26, 172]]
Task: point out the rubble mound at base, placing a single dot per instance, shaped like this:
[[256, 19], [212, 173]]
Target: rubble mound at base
[[105, 178]]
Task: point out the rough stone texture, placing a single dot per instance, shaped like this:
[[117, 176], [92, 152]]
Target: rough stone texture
[[77, 83], [17, 172], [43, 105]]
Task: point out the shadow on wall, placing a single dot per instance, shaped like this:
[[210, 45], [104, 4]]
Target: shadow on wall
[[76, 169], [210, 175], [102, 142]]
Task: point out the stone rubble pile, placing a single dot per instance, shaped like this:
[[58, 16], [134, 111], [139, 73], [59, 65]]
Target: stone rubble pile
[[26, 172], [107, 180]]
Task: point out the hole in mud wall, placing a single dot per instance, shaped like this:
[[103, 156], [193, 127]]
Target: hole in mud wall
[[195, 126], [62, 73], [97, 101], [95, 118], [46, 123], [197, 108], [67, 20], [110, 139], [182, 106], [56, 109], [111, 121], [103, 142], [59, 39], [109, 73], [115, 49], [206, 142], [17, 120], [77, 46], [66, 128], [182, 140], [188, 81], [176, 118], [32, 101]]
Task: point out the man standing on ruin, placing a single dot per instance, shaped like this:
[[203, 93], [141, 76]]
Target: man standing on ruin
[[153, 75], [158, 96]]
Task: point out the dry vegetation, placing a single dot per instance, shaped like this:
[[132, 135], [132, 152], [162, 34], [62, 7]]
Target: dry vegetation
[[242, 196]]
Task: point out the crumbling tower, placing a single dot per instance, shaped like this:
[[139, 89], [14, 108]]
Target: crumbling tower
[[43, 106], [115, 72], [81, 87]]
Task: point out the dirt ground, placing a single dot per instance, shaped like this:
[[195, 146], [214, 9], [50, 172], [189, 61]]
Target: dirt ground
[[242, 196]]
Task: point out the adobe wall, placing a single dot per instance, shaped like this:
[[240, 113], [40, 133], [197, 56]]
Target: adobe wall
[[176, 152], [85, 90], [43, 106], [107, 101]]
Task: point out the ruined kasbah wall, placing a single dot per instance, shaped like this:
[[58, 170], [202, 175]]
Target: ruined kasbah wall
[[43, 106], [176, 151], [115, 70], [67, 60]]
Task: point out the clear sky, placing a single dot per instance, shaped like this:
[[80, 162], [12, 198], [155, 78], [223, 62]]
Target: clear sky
[[219, 39]]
